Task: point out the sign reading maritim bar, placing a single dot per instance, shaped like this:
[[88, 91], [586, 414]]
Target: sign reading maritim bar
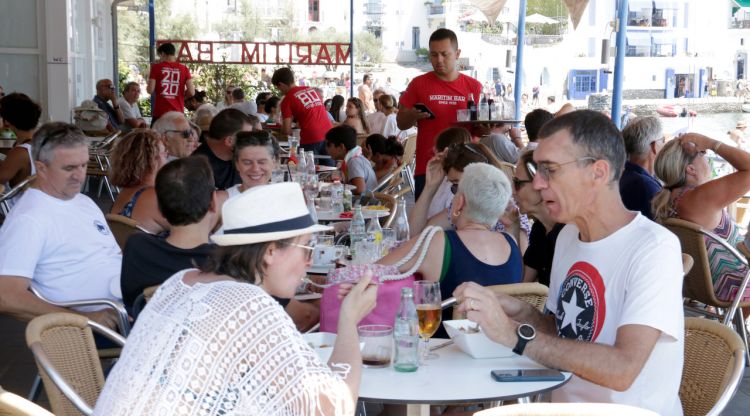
[[274, 53]]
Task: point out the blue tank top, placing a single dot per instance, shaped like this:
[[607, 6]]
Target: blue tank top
[[459, 266]]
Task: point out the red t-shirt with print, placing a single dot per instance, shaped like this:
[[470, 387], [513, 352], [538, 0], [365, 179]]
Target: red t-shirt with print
[[169, 91], [443, 99], [304, 105]]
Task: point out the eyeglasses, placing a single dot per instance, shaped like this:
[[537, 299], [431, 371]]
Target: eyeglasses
[[309, 249], [548, 169], [454, 188], [184, 133], [461, 147], [519, 183]]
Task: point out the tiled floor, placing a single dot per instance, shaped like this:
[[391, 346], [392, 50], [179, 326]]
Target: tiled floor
[[17, 369]]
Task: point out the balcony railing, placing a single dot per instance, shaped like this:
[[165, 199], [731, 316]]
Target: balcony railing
[[437, 10], [531, 40], [740, 24]]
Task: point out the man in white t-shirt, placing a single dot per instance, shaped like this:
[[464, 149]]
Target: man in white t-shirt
[[55, 239], [130, 110], [614, 312]]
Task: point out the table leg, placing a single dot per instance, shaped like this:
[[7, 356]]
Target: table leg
[[417, 410]]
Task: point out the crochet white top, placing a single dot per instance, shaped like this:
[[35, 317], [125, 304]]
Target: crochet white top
[[220, 348]]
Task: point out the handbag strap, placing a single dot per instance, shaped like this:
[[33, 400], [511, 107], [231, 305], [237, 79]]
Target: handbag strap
[[423, 243]]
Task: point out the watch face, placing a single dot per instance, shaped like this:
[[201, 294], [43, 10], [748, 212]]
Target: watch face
[[526, 331]]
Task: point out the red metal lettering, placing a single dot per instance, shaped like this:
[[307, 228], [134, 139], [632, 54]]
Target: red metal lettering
[[341, 58], [180, 55], [304, 58], [205, 51]]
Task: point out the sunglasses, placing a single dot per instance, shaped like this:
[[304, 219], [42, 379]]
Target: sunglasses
[[519, 183], [467, 147], [59, 132], [184, 133], [454, 188], [309, 249]]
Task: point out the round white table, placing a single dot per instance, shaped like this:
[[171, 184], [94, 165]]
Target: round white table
[[368, 214], [453, 377]]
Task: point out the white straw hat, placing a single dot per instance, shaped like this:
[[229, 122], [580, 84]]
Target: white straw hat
[[266, 213]]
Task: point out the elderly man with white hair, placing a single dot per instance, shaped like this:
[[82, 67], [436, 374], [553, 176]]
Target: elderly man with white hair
[[643, 139], [176, 130]]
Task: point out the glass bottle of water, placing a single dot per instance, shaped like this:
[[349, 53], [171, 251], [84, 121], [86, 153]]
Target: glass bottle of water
[[301, 165], [401, 223], [357, 230], [347, 199], [406, 334], [375, 233], [337, 197], [310, 161]]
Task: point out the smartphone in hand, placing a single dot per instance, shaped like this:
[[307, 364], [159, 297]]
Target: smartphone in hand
[[536, 374], [423, 108]]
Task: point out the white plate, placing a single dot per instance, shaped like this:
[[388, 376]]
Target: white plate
[[320, 268], [308, 296]]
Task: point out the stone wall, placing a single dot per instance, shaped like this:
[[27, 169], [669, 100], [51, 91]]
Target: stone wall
[[642, 94], [647, 107]]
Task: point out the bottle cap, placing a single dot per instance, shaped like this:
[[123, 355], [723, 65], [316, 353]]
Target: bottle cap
[[406, 291]]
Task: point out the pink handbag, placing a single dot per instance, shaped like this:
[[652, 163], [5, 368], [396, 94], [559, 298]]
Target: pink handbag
[[389, 291]]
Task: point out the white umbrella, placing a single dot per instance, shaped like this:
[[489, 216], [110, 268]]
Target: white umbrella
[[538, 18]]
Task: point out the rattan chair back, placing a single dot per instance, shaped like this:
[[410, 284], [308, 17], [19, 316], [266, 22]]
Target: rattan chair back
[[698, 284], [122, 227], [67, 359], [532, 293], [15, 405], [713, 368]]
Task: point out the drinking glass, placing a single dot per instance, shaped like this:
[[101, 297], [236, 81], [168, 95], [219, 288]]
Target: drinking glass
[[389, 240], [427, 298]]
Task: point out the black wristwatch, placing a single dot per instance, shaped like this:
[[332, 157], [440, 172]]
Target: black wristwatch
[[525, 333]]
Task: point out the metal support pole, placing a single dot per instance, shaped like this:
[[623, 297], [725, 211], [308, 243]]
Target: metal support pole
[[521, 39], [351, 48], [621, 27], [151, 32]]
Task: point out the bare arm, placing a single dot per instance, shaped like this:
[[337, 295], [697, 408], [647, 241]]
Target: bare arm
[[286, 126], [406, 118], [14, 164], [355, 306], [17, 301], [615, 366], [433, 179], [151, 86], [704, 203], [190, 88], [360, 184], [530, 275]]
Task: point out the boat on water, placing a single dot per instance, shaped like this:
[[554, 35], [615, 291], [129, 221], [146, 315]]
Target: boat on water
[[671, 110]]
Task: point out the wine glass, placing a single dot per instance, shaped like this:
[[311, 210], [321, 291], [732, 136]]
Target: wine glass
[[427, 298]]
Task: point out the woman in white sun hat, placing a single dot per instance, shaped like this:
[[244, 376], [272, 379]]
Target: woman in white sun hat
[[213, 340]]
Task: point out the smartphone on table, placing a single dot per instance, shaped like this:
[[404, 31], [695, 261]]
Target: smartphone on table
[[535, 374], [423, 108]]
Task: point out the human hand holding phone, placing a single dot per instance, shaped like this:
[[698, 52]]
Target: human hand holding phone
[[423, 109], [536, 374]]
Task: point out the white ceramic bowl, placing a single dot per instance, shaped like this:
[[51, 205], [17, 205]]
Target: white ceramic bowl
[[318, 340], [477, 345]]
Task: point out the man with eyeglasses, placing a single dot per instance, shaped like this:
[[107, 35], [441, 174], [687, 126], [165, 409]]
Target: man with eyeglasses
[[55, 239], [614, 312], [129, 105], [644, 139], [176, 130], [105, 94]]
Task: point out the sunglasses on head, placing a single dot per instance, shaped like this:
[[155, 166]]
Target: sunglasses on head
[[59, 132], [454, 188]]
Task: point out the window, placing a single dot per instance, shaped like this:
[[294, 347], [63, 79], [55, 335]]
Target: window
[[585, 82], [638, 44], [415, 37], [313, 10]]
